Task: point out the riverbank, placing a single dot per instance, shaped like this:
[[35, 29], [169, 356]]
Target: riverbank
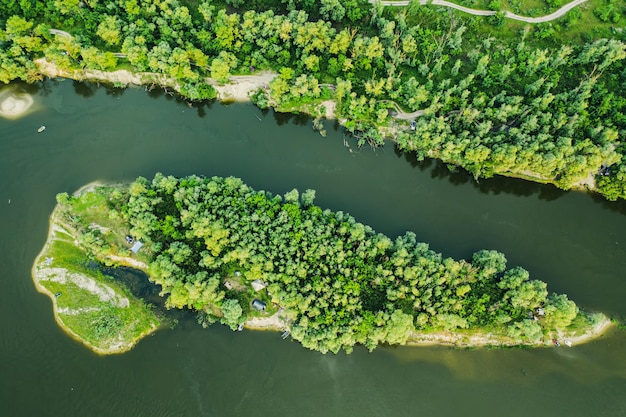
[[478, 339], [238, 88], [466, 339], [462, 339]]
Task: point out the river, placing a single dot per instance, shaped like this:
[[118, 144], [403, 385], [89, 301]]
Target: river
[[573, 241]]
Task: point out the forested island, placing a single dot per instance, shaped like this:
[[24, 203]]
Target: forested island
[[249, 258], [541, 101]]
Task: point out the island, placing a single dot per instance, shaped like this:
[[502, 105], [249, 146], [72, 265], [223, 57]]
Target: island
[[251, 259]]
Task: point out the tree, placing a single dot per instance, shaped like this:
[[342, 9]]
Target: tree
[[559, 311], [66, 6], [307, 198], [332, 10], [109, 30], [399, 328], [17, 26], [94, 58], [231, 313], [340, 281], [528, 330], [221, 66]]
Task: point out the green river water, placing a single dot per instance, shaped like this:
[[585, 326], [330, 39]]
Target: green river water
[[573, 241]]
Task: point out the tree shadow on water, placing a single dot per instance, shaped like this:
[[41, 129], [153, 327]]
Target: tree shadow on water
[[155, 92], [618, 206], [297, 119], [202, 107], [43, 87], [158, 92], [84, 89], [499, 184], [411, 158], [455, 175], [114, 91], [495, 185]]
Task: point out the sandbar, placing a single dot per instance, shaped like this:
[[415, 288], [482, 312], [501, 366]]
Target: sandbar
[[14, 104]]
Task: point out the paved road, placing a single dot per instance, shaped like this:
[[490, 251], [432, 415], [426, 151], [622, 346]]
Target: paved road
[[60, 33], [510, 15], [64, 34]]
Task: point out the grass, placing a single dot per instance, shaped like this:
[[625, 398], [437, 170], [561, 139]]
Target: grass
[[72, 296], [91, 306], [65, 253], [530, 8], [112, 327], [579, 25], [101, 213]]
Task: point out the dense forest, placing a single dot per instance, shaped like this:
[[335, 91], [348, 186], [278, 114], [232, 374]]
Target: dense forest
[[528, 102], [337, 281]]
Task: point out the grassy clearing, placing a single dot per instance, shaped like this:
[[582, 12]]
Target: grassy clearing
[[92, 307], [100, 220]]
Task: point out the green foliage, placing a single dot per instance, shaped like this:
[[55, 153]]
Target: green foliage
[[559, 311], [232, 313], [106, 324], [613, 186], [343, 283], [260, 99]]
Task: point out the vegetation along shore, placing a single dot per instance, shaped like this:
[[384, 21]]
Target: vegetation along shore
[[536, 99], [248, 258]]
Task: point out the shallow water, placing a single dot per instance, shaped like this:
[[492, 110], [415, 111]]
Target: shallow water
[[573, 241]]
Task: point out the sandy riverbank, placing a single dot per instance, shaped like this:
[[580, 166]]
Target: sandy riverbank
[[600, 328], [274, 322], [485, 339], [238, 88]]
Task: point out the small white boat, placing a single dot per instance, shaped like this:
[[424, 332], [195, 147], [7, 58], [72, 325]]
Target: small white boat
[[41, 128]]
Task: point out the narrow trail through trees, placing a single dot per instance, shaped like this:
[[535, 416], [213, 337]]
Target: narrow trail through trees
[[507, 14]]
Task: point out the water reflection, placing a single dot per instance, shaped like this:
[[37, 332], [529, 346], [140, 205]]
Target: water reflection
[[285, 118], [587, 364], [84, 89], [496, 185], [616, 206]]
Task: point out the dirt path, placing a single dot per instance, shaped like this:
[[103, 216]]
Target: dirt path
[[240, 87], [507, 14], [400, 115]]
